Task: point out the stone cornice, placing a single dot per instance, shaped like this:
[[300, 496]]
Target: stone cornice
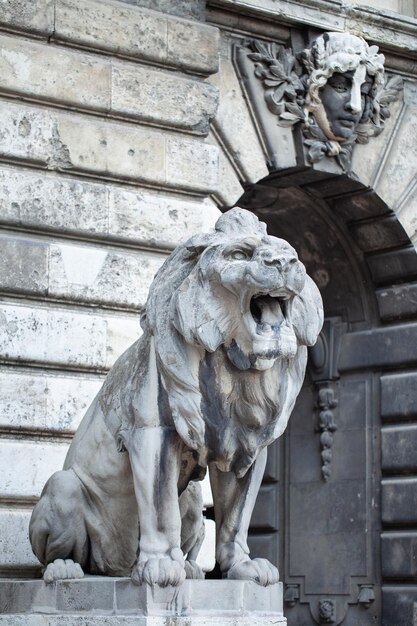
[[389, 30]]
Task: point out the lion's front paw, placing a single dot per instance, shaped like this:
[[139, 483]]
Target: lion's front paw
[[61, 569], [259, 570], [160, 569]]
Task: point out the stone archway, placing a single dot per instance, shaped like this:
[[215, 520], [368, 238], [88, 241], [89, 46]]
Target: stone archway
[[332, 476], [335, 506]]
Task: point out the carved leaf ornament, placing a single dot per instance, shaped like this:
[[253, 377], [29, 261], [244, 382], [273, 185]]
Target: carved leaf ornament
[[294, 87]]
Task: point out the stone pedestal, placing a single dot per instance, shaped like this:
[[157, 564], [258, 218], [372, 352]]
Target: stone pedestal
[[105, 601]]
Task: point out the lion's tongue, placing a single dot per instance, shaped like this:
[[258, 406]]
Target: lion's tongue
[[270, 316]]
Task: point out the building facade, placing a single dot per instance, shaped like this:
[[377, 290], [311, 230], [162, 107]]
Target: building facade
[[125, 127]]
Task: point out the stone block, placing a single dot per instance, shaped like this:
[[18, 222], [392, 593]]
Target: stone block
[[399, 302], [398, 398], [399, 448], [47, 402], [47, 72], [27, 134], [65, 338], [162, 98], [15, 550], [400, 169], [386, 232], [139, 33], [234, 122], [193, 46], [27, 465], [62, 141], [390, 345], [23, 265], [112, 26], [391, 267], [191, 165], [398, 605], [85, 595], [229, 188], [101, 211], [398, 501], [399, 555], [36, 16], [36, 201], [159, 221], [195, 603], [110, 149], [109, 277]]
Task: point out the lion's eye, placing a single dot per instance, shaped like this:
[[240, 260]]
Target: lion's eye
[[239, 255]]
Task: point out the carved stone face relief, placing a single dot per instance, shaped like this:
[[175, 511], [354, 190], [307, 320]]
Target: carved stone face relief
[[335, 90], [343, 104]]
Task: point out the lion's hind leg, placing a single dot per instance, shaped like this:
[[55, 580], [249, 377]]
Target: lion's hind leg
[[57, 528]]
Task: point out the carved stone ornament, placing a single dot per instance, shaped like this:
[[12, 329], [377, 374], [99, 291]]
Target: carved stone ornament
[[334, 90], [211, 382]]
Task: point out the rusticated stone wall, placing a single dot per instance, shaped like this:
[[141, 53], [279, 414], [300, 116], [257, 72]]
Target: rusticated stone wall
[[104, 168]]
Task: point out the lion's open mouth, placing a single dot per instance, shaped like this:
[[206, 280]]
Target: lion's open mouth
[[268, 313]]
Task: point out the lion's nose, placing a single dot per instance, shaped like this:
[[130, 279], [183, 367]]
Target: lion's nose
[[281, 262]]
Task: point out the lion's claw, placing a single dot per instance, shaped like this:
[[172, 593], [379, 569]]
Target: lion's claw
[[61, 569], [161, 571], [193, 570], [259, 570]]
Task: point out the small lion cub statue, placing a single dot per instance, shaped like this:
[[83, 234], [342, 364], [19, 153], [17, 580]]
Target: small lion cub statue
[[211, 382]]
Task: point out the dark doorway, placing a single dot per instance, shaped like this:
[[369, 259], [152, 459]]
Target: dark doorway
[[337, 511]]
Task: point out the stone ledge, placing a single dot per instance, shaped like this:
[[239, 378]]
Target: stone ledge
[[195, 602]]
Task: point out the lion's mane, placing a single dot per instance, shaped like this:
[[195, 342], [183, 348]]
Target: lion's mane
[[184, 334]]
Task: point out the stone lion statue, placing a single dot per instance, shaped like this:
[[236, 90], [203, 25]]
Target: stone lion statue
[[211, 382]]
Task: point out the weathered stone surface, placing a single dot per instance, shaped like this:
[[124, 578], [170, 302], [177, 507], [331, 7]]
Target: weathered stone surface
[[138, 32], [193, 46], [100, 211], [156, 220], [23, 265], [399, 555], [235, 123], [323, 17], [45, 335], [61, 141], [398, 501], [51, 73], [398, 397], [92, 274], [165, 402], [229, 188], [15, 550], [197, 602], [27, 465], [36, 15], [397, 302], [162, 98], [32, 400], [42, 71], [400, 170], [399, 448], [368, 160]]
